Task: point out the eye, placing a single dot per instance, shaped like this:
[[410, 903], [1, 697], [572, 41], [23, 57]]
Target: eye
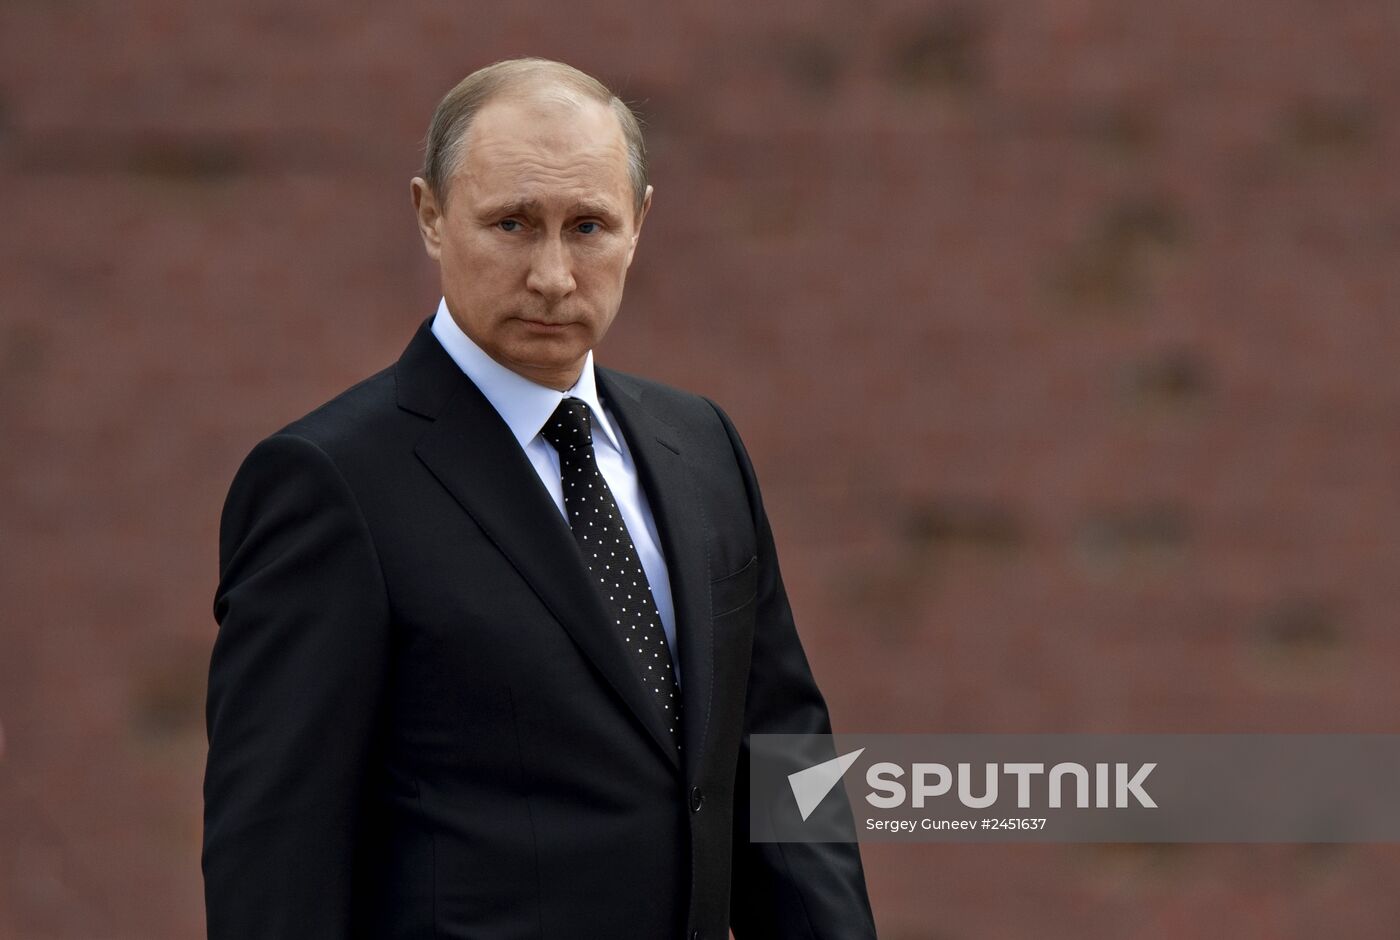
[[509, 225], [588, 228]]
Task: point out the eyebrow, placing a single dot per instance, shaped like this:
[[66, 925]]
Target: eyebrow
[[535, 207]]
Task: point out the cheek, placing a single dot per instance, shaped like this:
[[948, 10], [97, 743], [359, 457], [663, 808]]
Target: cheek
[[609, 265], [482, 267]]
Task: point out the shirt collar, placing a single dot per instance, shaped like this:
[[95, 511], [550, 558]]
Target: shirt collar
[[524, 405]]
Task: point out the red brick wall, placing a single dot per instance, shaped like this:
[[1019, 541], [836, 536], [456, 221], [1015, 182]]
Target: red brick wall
[[1064, 336]]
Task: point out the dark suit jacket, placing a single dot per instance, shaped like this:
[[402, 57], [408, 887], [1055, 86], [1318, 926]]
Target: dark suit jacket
[[421, 725]]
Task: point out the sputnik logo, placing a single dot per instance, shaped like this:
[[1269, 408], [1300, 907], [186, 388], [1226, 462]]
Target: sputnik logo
[[810, 786]]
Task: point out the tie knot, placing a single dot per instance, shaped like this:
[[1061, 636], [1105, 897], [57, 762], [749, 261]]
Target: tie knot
[[569, 427]]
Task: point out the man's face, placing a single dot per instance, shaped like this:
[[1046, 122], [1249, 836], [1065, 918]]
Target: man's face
[[537, 233]]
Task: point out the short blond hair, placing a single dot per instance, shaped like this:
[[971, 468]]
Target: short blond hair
[[442, 151]]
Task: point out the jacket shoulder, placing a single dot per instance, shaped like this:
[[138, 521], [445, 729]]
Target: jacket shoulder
[[361, 413], [673, 405]]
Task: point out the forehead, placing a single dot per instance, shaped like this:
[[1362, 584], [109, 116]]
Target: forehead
[[544, 149]]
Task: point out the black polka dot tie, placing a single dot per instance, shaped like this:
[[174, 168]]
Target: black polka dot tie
[[611, 557]]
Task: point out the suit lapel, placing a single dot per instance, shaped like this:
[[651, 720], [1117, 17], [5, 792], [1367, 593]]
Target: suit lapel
[[682, 525], [472, 452]]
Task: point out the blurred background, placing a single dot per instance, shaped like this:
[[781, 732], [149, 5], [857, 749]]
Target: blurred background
[[1064, 335]]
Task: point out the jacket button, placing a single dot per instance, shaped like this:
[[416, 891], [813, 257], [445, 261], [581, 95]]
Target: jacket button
[[697, 800]]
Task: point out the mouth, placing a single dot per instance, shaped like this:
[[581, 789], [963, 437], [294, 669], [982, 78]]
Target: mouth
[[546, 326]]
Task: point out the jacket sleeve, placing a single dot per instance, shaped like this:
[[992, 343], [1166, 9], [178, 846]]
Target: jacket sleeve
[[294, 687], [812, 891]]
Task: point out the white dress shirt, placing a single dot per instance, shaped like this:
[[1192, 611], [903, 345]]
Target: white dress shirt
[[525, 407]]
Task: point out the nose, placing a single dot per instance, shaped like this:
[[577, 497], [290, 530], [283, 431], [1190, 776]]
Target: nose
[[551, 270]]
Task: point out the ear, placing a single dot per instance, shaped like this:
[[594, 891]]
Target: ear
[[637, 225], [425, 206]]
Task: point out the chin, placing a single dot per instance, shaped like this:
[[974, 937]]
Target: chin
[[540, 357]]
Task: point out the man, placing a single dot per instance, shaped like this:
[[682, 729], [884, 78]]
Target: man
[[495, 625]]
